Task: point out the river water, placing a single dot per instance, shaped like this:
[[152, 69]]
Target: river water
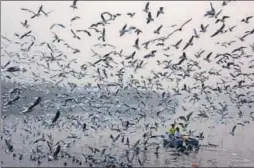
[[231, 151], [23, 130]]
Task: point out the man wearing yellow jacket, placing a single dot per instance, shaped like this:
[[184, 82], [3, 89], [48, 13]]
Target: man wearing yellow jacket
[[172, 129]]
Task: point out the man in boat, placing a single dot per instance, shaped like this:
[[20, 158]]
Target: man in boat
[[179, 136], [179, 140], [177, 133], [172, 130], [170, 134]]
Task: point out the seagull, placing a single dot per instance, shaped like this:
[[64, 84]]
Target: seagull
[[103, 17], [75, 18], [177, 44], [60, 25], [224, 3], [114, 16], [220, 30], [238, 49], [56, 38], [136, 45], [203, 28], [187, 118], [222, 20], [138, 31], [196, 34], [34, 14], [149, 18], [104, 45], [74, 4], [131, 14], [246, 20], [189, 43], [131, 56], [160, 11], [123, 30], [231, 42], [157, 31], [211, 12], [74, 35], [250, 32], [26, 34], [85, 31], [197, 55], [231, 28], [25, 24], [38, 13], [208, 56], [151, 54], [242, 38]]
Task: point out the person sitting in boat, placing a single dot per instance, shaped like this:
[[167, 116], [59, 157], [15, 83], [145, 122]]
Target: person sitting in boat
[[172, 129], [177, 133], [178, 138]]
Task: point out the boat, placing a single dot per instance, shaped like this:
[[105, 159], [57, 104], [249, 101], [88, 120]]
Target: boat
[[190, 144]]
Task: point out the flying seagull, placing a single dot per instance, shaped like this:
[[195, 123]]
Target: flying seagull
[[74, 4]]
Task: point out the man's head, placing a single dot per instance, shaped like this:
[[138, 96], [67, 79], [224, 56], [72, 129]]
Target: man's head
[[177, 129], [173, 125]]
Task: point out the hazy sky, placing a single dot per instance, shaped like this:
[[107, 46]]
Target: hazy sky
[[89, 11]]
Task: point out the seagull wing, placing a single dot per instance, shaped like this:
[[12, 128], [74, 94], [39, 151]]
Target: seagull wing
[[195, 32], [185, 46], [159, 27], [56, 116], [74, 3], [24, 9], [233, 129], [202, 27], [188, 116], [191, 39], [179, 42], [102, 17], [212, 6], [124, 27], [73, 32], [182, 118], [186, 22], [147, 6], [158, 13], [136, 42], [216, 33], [89, 34], [222, 27], [249, 18]]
